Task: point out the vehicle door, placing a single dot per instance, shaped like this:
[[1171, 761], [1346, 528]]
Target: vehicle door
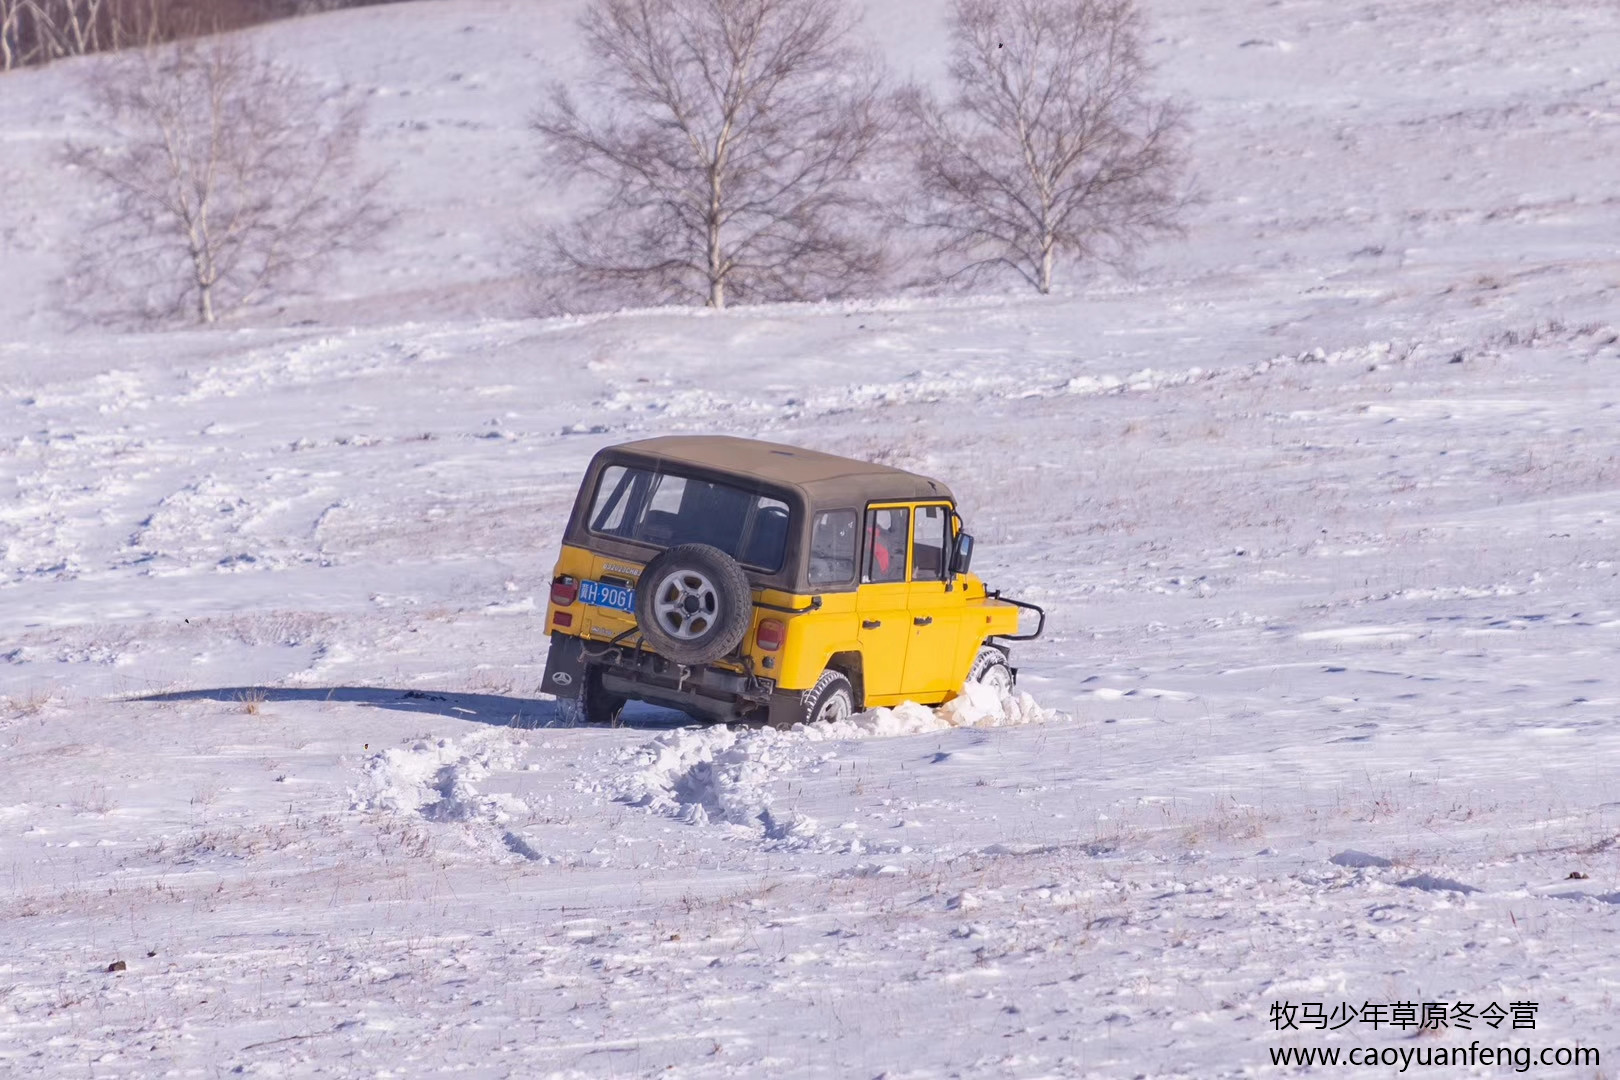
[[932, 655], [883, 599]]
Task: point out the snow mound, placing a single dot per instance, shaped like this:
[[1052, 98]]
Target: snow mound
[[722, 775], [715, 775], [1431, 883], [976, 706], [436, 778]]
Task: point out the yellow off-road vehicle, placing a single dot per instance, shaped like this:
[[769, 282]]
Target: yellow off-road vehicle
[[742, 580]]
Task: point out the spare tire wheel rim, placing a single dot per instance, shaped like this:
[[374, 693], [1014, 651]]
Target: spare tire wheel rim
[[686, 605]]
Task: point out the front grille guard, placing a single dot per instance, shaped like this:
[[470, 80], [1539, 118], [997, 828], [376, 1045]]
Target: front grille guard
[[1040, 626]]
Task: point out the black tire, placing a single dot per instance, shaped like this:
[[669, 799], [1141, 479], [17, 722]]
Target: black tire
[[991, 666], [830, 700], [693, 604], [591, 705]]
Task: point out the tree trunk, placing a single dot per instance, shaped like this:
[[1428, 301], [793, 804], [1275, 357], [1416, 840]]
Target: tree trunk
[[203, 276], [717, 263], [10, 20], [1048, 244]]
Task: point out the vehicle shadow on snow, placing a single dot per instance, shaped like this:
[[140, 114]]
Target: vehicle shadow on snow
[[495, 709]]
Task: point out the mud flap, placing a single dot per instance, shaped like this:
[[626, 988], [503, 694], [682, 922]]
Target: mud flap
[[565, 666], [786, 708]]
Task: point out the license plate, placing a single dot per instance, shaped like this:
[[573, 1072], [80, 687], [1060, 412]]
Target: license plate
[[613, 597]]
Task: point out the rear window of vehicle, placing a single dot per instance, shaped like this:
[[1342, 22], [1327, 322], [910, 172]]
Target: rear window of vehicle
[[666, 509]]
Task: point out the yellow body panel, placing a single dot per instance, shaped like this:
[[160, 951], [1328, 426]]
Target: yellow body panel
[[902, 659]]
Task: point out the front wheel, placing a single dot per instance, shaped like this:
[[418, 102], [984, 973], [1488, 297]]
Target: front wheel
[[990, 669]]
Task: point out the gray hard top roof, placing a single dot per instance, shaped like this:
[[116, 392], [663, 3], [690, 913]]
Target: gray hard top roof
[[826, 479]]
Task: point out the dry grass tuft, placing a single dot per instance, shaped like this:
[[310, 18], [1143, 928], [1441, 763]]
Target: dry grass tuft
[[32, 703]]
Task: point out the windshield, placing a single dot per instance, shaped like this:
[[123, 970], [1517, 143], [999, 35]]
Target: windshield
[[666, 509]]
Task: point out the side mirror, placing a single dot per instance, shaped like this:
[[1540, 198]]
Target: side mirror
[[962, 557]]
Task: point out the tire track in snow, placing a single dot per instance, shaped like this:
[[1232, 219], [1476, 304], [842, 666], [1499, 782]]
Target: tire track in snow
[[437, 780]]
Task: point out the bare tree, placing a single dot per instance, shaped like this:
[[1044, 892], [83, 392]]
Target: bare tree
[[1052, 147], [727, 151], [79, 25], [11, 29], [39, 31], [229, 179], [29, 33]]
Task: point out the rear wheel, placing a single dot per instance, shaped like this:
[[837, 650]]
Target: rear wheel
[[832, 699], [591, 704]]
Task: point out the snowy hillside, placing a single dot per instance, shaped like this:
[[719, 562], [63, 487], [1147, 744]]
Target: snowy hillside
[[1325, 505]]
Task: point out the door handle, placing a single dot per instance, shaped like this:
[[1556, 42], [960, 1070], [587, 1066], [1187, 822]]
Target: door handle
[[924, 620], [870, 624]]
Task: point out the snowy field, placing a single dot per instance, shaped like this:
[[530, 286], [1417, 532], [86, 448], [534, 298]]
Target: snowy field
[[1325, 504]]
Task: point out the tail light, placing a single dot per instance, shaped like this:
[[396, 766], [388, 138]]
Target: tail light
[[564, 590], [770, 634]]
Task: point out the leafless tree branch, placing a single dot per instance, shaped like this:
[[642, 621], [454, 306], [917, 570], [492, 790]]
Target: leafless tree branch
[[1052, 147], [227, 178], [38, 31], [728, 154]]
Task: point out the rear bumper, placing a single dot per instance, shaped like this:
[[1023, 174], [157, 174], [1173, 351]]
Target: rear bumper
[[712, 692]]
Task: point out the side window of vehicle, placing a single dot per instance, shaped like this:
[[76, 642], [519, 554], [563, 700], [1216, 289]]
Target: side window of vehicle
[[832, 547], [887, 529], [766, 541], [928, 544]]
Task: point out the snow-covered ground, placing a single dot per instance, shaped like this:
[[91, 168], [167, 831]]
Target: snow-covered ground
[[1325, 506]]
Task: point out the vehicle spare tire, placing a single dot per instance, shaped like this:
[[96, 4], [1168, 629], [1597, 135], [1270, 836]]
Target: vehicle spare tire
[[693, 604]]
